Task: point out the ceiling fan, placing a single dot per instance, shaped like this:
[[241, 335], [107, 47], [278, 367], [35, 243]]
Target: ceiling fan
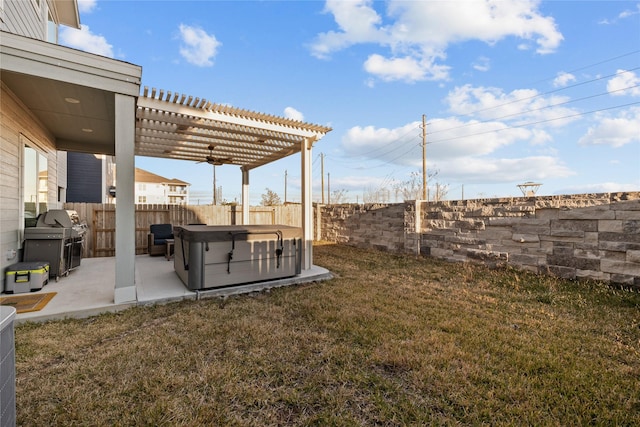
[[215, 161]]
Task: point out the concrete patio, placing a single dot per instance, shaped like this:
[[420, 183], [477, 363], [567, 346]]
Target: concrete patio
[[89, 289]]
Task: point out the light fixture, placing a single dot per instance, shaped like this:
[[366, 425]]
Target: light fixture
[[72, 100], [87, 130]]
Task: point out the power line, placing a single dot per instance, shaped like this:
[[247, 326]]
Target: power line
[[537, 122], [396, 147], [392, 144], [524, 113], [534, 97], [593, 65]]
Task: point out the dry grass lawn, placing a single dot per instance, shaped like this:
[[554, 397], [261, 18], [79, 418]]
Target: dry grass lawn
[[392, 340]]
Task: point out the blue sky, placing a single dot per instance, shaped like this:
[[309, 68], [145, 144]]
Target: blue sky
[[512, 91]]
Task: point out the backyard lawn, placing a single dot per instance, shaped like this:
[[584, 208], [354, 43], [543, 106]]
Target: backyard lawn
[[391, 340]]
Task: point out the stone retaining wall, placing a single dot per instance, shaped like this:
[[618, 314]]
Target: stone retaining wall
[[367, 226], [595, 236]]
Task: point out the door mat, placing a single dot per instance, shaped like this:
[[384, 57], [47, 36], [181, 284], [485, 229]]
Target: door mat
[[28, 302]]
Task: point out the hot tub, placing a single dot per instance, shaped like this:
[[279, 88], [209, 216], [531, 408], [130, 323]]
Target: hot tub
[[214, 256]]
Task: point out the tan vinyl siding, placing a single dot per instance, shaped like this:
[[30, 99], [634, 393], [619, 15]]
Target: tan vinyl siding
[[16, 120], [26, 18]]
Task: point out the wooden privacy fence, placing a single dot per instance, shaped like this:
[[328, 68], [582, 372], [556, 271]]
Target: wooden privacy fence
[[101, 221]]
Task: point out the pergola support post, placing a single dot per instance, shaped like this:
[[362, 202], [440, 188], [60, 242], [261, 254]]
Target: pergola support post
[[245, 196], [125, 113], [307, 203]]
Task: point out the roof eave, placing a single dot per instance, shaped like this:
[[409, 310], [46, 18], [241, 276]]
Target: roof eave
[[67, 12]]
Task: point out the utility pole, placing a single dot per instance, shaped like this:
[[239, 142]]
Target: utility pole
[[425, 192], [285, 186], [322, 174]]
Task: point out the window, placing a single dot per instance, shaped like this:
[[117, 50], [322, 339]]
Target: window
[[142, 187], [35, 185], [142, 199], [52, 29]]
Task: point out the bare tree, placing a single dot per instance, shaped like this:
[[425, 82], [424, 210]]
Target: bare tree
[[441, 192], [376, 195], [411, 189], [339, 196], [270, 198]]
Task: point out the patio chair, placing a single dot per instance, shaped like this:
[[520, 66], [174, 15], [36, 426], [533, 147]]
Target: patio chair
[[157, 238]]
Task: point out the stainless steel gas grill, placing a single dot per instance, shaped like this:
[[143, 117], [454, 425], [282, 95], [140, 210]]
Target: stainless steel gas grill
[[57, 238]]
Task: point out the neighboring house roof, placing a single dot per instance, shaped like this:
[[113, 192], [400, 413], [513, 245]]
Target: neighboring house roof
[[146, 176]]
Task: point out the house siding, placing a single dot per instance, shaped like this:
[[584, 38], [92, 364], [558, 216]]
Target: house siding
[[26, 18], [17, 120]]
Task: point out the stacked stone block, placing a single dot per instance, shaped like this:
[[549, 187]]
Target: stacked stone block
[[594, 236], [377, 226]]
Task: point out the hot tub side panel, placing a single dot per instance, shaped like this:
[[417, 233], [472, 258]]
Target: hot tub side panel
[[237, 257], [250, 261]]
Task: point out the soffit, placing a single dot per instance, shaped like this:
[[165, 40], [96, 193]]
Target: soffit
[[67, 12], [72, 93], [87, 125]]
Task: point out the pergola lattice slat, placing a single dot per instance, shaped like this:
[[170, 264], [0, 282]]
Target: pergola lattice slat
[[177, 126]]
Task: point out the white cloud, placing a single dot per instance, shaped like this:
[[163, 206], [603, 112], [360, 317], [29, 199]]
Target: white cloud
[[358, 182], [624, 83], [563, 79], [519, 107], [198, 47], [540, 137], [447, 139], [614, 131], [418, 33], [407, 68], [603, 187], [500, 170], [482, 64], [622, 15], [87, 6], [460, 151], [627, 13], [85, 40], [292, 113], [357, 22]]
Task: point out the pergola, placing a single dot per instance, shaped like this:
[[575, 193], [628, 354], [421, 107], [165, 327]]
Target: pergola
[[92, 104], [176, 126]]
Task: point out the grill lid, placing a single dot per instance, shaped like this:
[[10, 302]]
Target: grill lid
[[55, 218], [60, 219]]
